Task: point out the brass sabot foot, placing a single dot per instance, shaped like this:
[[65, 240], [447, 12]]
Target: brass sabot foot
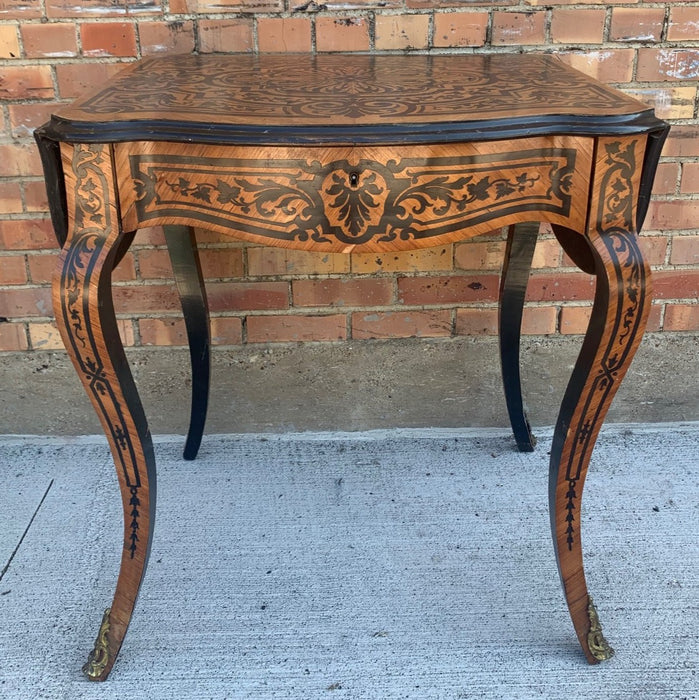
[[98, 658], [599, 646]]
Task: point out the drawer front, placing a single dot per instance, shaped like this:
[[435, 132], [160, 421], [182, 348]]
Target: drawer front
[[364, 198]]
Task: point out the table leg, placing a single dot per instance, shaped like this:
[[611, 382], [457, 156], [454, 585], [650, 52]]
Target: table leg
[[182, 247], [521, 241], [621, 306], [86, 320]]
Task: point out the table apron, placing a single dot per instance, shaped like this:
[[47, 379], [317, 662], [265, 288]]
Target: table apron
[[355, 198]]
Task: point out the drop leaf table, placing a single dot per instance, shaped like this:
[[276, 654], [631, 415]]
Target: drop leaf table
[[350, 153]]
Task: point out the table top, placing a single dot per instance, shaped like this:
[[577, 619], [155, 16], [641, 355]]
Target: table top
[[349, 98]]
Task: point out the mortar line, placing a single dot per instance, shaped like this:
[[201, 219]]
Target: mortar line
[[26, 530]]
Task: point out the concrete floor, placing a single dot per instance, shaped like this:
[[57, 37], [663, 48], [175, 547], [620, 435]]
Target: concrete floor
[[369, 566]]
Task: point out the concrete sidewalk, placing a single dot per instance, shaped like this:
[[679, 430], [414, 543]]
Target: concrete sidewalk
[[377, 565]]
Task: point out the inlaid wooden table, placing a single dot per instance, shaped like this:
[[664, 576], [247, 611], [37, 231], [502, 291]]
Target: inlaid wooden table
[[350, 153]]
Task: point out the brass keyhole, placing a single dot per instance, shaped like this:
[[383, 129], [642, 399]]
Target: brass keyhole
[[354, 179]]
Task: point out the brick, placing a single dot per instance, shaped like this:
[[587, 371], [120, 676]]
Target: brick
[[101, 8], [226, 331], [162, 331], [452, 4], [25, 301], [13, 269], [637, 24], [342, 292], [676, 284], [667, 64], [45, 336], [666, 177], [668, 103], [166, 37], [683, 142], [252, 296], [276, 329], [26, 234], [402, 32], [204, 7], [287, 34], [42, 266], [108, 39], [479, 255], [75, 79], [681, 317], [227, 36], [685, 250], [221, 263], [448, 290], [154, 264], [35, 197], [19, 159], [674, 215], [684, 24], [26, 83], [49, 40], [548, 3], [539, 320], [574, 319], [460, 28], [145, 298], [150, 235], [577, 26], [608, 65], [476, 322], [20, 9], [10, 198], [546, 254], [518, 28], [332, 5], [560, 287], [690, 178], [9, 41], [281, 261], [401, 324], [13, 337], [342, 34], [24, 118], [421, 260]]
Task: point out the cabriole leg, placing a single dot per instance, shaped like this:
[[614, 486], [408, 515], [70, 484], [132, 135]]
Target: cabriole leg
[[85, 317], [621, 306]]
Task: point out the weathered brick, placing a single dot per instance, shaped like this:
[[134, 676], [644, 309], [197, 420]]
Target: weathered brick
[[24, 118], [54, 40], [166, 37], [608, 65], [19, 159], [108, 39], [221, 263], [667, 64], [416, 291], [226, 330], [666, 177], [226, 36], [25, 301], [276, 329], [690, 178], [35, 197], [460, 28], [684, 23], [560, 287], [450, 4], [674, 215], [681, 317], [10, 198], [515, 28], [75, 79], [162, 331], [282, 261], [13, 269], [402, 32], [668, 102], [685, 250], [13, 337], [45, 336], [101, 8], [683, 141], [9, 41], [676, 284], [476, 321], [205, 7], [401, 324], [342, 292], [145, 298], [479, 255], [26, 83], [233, 296], [637, 24], [423, 259], [539, 320], [577, 26], [26, 234], [342, 34], [286, 34]]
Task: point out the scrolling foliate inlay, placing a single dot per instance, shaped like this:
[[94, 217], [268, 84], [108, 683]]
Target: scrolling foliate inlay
[[92, 227], [615, 229], [352, 203]]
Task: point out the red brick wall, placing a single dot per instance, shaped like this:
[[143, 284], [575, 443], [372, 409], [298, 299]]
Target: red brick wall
[[52, 50]]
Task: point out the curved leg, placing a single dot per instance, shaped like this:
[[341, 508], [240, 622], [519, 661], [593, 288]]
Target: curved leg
[[521, 241], [621, 306], [182, 247], [85, 317]]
